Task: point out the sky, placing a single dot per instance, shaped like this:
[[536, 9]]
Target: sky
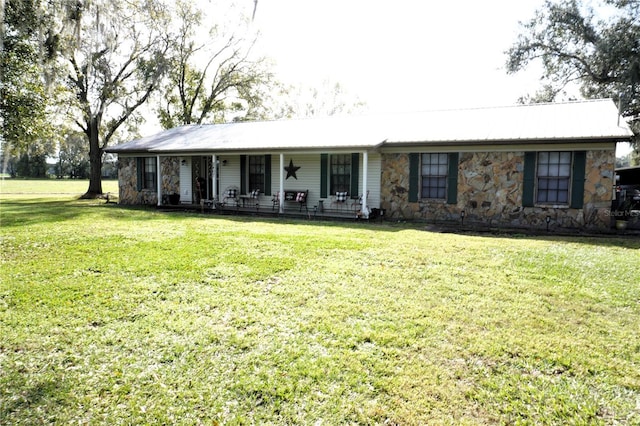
[[401, 55]]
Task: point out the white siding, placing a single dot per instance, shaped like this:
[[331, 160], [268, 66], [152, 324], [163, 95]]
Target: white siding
[[307, 177], [229, 172], [374, 173]]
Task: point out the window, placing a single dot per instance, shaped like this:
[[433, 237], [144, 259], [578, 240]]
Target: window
[[434, 175], [147, 173], [256, 173], [553, 177], [340, 173]]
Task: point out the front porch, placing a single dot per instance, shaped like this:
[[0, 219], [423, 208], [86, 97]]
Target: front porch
[[263, 210]]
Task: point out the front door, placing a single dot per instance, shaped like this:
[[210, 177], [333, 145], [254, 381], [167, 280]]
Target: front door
[[202, 178]]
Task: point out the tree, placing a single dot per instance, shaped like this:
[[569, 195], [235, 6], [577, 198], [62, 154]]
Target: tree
[[73, 158], [208, 81], [25, 98], [574, 46], [113, 56], [330, 99]]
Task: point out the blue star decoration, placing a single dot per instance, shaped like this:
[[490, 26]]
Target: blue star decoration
[[291, 170]]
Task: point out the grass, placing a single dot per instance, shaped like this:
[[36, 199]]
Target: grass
[[112, 315]]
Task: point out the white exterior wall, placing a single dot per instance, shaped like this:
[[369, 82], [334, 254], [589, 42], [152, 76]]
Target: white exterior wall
[[374, 174], [308, 178], [229, 173]]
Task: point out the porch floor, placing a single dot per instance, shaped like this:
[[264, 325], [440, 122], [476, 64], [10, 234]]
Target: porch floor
[[266, 211]]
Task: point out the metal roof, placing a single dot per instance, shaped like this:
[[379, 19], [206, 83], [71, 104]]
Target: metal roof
[[595, 119], [584, 120]]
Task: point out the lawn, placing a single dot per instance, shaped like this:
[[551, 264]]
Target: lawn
[[113, 315]]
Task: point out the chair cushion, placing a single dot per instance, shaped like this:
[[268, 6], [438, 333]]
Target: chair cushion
[[255, 193], [341, 196], [232, 193], [300, 197]]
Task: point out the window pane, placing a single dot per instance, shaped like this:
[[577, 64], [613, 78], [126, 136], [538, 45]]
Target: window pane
[[434, 172], [256, 173], [543, 184], [554, 173], [340, 173], [542, 196], [563, 197], [563, 184], [543, 169]]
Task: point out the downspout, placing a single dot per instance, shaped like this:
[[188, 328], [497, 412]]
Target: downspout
[[365, 166], [281, 186], [159, 183]]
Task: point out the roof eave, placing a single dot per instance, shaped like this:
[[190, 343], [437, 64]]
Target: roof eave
[[471, 142]]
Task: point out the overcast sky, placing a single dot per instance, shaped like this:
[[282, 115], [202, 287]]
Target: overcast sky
[[400, 55]]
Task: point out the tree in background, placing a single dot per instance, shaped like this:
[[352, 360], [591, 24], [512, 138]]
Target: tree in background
[[73, 158], [212, 78], [601, 55], [329, 99], [26, 100]]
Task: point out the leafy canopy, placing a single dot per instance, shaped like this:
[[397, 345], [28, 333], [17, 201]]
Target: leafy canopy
[[596, 48]]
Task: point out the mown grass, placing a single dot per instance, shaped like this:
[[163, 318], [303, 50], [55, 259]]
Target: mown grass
[[110, 315]]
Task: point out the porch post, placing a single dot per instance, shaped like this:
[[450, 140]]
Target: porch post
[[281, 186], [159, 180], [365, 166], [214, 179]]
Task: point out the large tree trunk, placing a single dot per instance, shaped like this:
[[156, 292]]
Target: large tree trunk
[[95, 160]]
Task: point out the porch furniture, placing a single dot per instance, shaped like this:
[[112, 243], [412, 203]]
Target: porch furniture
[[357, 202], [252, 195], [231, 195], [291, 196], [339, 200]]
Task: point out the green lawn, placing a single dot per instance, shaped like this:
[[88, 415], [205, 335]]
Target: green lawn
[[113, 315]]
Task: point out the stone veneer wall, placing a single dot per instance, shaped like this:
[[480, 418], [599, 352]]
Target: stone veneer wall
[[170, 175], [490, 193], [128, 179]]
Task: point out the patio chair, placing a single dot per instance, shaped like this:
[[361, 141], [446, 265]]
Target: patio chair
[[339, 200], [231, 196], [357, 202]]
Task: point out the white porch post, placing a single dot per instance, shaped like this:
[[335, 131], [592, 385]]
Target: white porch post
[[214, 179], [159, 180], [365, 166], [281, 186]]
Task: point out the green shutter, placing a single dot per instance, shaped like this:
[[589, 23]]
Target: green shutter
[[355, 173], [324, 174], [267, 174], [452, 179], [529, 179], [414, 177], [243, 174], [577, 186], [140, 173]]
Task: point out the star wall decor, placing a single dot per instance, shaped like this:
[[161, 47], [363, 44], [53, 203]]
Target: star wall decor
[[291, 170]]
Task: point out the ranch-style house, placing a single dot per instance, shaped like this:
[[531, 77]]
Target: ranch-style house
[[516, 166]]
